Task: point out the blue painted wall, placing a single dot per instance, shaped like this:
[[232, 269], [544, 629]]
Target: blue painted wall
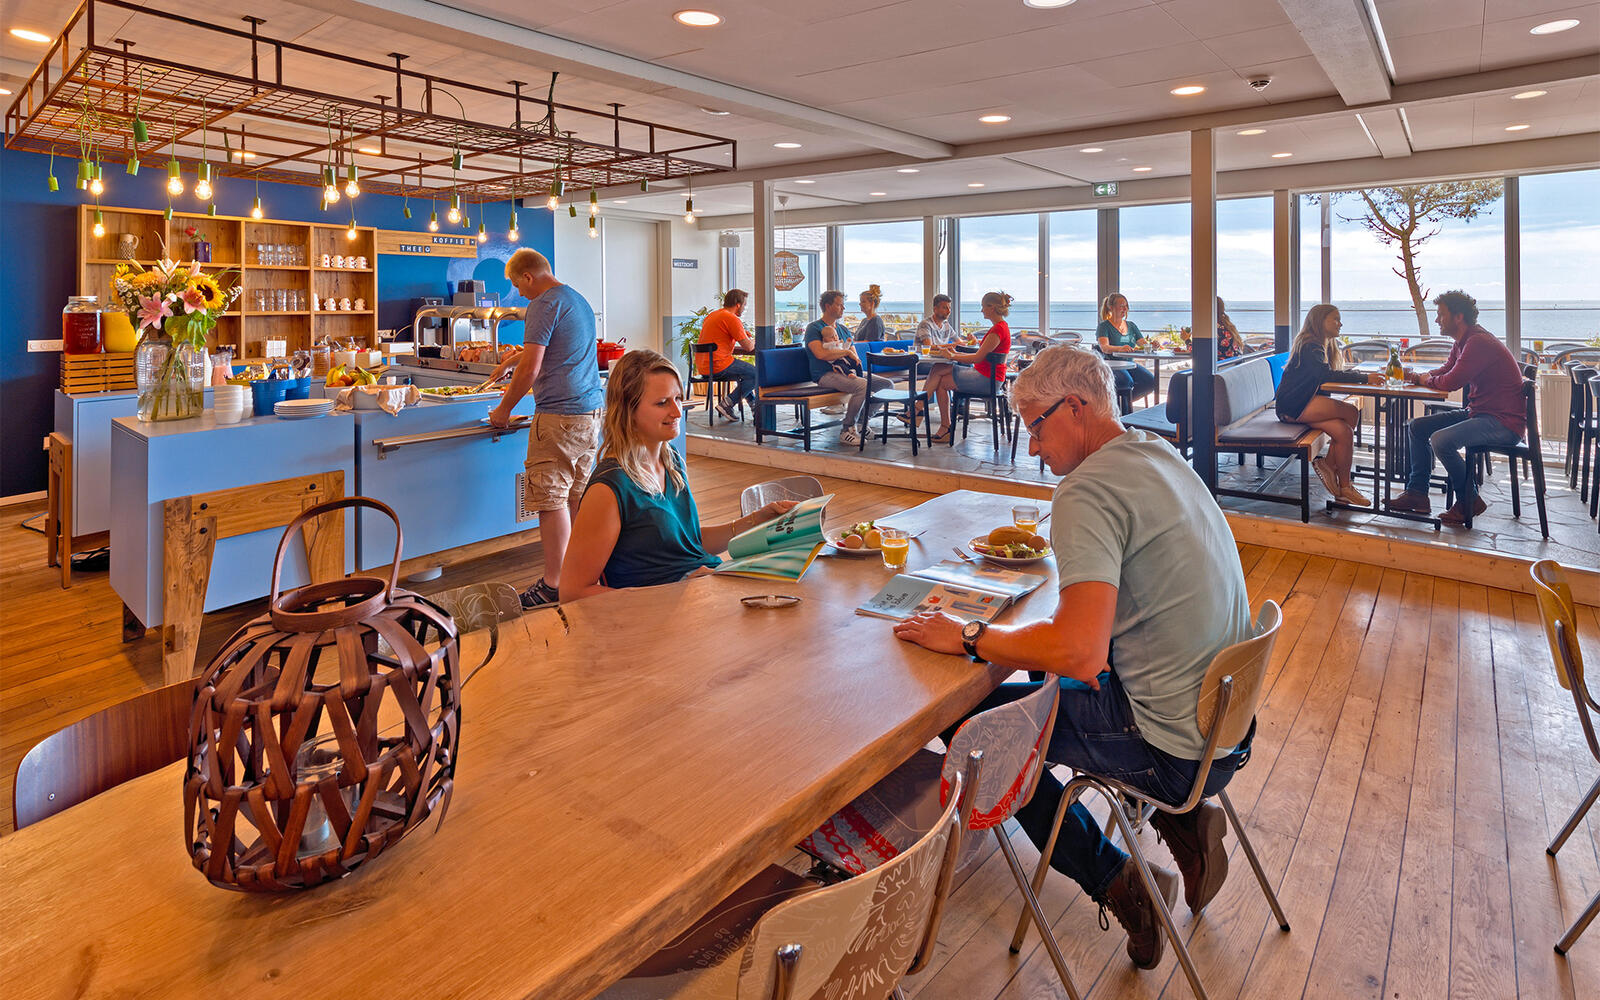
[[38, 266]]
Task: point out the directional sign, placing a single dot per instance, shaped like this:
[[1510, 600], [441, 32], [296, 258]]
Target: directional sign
[[1105, 189]]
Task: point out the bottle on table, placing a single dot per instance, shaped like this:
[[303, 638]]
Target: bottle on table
[[1396, 372]]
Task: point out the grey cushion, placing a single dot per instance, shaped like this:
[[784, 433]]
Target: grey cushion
[[1261, 428], [1152, 419], [1241, 390]]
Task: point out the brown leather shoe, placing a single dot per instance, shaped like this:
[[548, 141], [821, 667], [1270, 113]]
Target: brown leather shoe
[[1411, 503], [1131, 904], [1195, 839], [1457, 515]]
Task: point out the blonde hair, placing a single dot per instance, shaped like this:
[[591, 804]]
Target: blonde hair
[[1108, 302], [526, 261], [873, 294], [624, 392], [1314, 332], [1222, 318], [1000, 301]]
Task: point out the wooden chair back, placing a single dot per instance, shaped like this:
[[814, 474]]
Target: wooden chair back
[[1013, 739], [113, 745], [1244, 666], [1560, 614], [859, 937], [789, 488]]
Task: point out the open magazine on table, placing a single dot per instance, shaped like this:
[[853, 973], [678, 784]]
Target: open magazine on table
[[782, 548], [965, 590]]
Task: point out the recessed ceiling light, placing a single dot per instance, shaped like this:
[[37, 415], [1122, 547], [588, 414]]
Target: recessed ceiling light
[[1251, 131], [1048, 4], [1142, 170], [244, 154], [1517, 128], [975, 184], [620, 201], [1281, 156], [1092, 149], [878, 194], [1547, 28], [697, 211], [714, 111], [4, 92], [33, 36], [786, 145], [994, 119], [908, 170], [1527, 95], [805, 182], [697, 18], [1187, 90], [369, 150]]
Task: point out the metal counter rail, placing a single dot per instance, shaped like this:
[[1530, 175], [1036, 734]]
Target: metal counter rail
[[386, 445]]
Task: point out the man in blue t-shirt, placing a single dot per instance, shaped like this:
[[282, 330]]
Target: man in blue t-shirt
[[835, 365], [559, 364]]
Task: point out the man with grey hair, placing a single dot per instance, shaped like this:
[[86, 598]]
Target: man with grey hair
[[559, 364], [1150, 590]]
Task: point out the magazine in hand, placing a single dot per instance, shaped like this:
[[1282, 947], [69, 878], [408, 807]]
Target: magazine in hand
[[966, 591], [782, 548]]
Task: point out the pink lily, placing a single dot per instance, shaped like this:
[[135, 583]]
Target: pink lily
[[194, 270], [193, 301], [152, 310]]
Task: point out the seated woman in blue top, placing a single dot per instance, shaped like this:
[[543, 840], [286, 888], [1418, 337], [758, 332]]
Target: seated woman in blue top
[[1117, 334], [1315, 358], [637, 525]]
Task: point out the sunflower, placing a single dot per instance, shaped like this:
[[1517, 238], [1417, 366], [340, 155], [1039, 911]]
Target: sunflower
[[210, 293]]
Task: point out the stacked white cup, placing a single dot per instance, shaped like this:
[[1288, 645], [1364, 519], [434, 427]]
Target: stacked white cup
[[228, 403]]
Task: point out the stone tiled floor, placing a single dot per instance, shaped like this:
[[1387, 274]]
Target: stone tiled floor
[[1573, 540]]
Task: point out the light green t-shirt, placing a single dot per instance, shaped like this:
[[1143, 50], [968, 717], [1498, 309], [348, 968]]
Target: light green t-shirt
[[1136, 516]]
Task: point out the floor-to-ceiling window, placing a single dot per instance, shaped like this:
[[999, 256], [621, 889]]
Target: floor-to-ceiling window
[[1244, 262], [1154, 255], [1073, 267], [1000, 253], [889, 255], [1560, 227]]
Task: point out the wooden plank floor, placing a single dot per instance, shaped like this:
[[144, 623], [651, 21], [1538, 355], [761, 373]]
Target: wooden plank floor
[[1414, 756]]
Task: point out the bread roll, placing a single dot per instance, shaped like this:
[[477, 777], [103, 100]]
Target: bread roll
[[1009, 534]]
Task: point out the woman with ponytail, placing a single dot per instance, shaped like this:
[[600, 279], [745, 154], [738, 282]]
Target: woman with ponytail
[[974, 380]]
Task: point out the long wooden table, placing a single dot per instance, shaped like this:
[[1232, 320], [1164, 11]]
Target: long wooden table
[[625, 762]]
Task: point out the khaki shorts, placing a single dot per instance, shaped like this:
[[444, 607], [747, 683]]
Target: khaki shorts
[[561, 455]]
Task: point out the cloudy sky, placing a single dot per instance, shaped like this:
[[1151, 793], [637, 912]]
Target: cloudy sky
[[1560, 238]]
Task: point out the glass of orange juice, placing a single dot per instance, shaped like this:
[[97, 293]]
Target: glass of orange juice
[[896, 544], [1026, 517]]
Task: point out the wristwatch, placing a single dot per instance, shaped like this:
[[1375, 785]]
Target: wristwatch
[[971, 632]]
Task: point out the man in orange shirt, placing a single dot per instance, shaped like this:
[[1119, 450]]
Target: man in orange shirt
[[724, 329]]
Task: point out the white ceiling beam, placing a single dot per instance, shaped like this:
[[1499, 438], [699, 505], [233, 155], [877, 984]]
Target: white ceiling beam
[[477, 33], [1543, 75], [1346, 38], [1387, 133], [1526, 156]]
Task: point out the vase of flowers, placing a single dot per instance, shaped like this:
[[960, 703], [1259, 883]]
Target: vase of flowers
[[174, 308], [199, 246]]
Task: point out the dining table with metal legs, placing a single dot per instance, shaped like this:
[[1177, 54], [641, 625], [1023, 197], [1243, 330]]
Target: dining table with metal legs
[[1393, 408]]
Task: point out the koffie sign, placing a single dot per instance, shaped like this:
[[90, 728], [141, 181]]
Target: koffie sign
[[412, 244]]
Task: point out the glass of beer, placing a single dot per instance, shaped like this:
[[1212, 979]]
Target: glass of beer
[[1026, 517], [894, 547]]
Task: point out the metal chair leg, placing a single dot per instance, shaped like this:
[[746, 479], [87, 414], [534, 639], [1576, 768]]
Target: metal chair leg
[[1050, 944], [1579, 926], [1255, 864], [1040, 872], [1575, 819]]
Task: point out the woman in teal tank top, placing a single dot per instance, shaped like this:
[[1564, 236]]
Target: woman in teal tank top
[[637, 525]]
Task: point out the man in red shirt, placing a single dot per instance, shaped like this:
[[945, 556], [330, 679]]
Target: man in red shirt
[[723, 328], [1494, 413]]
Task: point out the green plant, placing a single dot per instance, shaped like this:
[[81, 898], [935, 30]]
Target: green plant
[[689, 334]]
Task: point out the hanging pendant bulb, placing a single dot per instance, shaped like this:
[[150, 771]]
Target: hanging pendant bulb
[[174, 178], [433, 222], [255, 208], [97, 186], [483, 235], [330, 190], [556, 190], [594, 202], [168, 213], [350, 233], [352, 185], [688, 210], [99, 223], [202, 186], [454, 215], [133, 166], [211, 209], [513, 234], [644, 185], [572, 211], [593, 232], [84, 173]]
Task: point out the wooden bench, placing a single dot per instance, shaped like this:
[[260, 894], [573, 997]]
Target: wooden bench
[[1246, 424]]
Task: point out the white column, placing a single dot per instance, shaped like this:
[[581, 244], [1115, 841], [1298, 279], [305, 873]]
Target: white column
[[763, 313], [930, 262], [1283, 259], [1203, 299], [1044, 274], [1513, 205]]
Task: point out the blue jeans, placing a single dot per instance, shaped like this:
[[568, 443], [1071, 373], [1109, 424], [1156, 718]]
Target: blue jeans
[[1096, 732], [744, 387], [1136, 380], [1446, 435]]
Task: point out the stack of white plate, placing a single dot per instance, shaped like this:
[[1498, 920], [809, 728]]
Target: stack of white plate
[[229, 402], [300, 409]]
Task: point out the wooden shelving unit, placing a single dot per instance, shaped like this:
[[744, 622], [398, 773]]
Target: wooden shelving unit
[[233, 249]]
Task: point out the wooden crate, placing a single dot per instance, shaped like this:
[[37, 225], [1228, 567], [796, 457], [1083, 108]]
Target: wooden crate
[[84, 373]]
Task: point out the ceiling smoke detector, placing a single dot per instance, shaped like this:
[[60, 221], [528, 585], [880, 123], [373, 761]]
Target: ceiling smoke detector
[[1260, 83]]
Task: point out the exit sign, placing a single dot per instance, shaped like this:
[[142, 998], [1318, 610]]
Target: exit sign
[[1105, 189]]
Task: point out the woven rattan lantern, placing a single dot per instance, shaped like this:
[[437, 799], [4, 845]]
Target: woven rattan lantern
[[323, 731]]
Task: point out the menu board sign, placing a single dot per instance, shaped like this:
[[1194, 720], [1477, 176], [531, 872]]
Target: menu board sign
[[411, 244]]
